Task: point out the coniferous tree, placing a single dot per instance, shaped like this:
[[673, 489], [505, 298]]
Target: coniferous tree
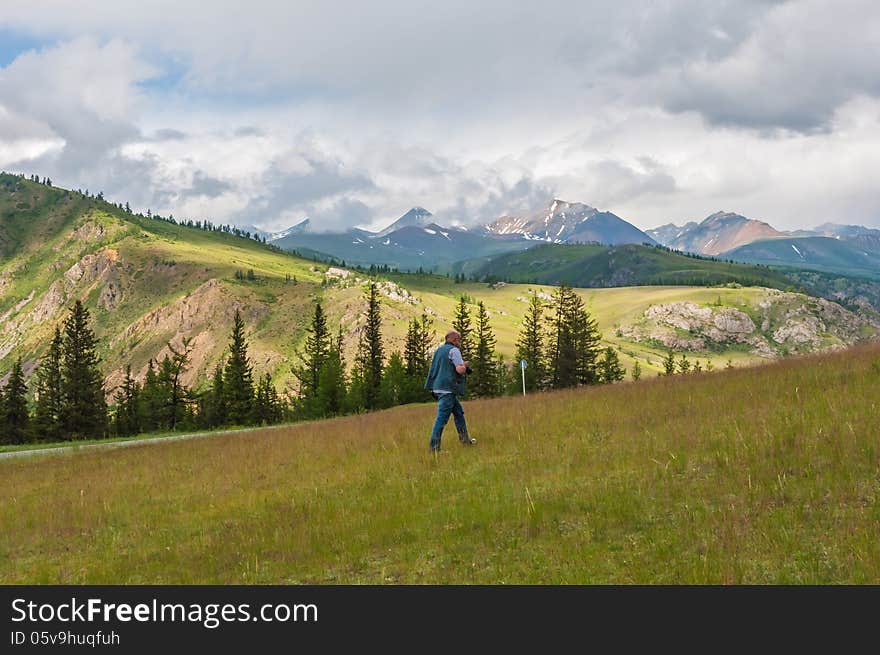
[[176, 398], [417, 348], [215, 403], [393, 388], [483, 382], [609, 367], [317, 348], [461, 323], [84, 409], [574, 343], [16, 420], [267, 408], [48, 394], [669, 363], [636, 371], [372, 350], [238, 382], [356, 388], [417, 357], [530, 345], [151, 403], [588, 340], [127, 418], [330, 399], [684, 365]]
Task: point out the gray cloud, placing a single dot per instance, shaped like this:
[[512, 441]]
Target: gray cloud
[[83, 94], [320, 192], [169, 134], [482, 202], [793, 71], [340, 214], [205, 185]]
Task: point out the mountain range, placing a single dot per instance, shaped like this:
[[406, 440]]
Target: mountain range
[[416, 240], [851, 250], [565, 222], [718, 233]]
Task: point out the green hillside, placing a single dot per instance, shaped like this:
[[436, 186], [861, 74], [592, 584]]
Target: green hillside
[[764, 475], [147, 282], [591, 265]]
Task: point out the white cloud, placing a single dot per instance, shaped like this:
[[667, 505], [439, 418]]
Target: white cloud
[[270, 112]]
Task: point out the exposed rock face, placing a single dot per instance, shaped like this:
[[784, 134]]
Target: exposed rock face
[[111, 295], [186, 313], [50, 302], [90, 231], [77, 281], [91, 267], [204, 317], [788, 323]]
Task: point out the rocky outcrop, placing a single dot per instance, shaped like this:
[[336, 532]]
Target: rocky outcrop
[[344, 278], [207, 304], [91, 267], [788, 323]]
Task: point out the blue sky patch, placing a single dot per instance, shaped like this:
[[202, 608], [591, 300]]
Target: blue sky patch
[[12, 44]]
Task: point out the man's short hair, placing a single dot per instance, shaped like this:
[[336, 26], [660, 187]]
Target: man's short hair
[[451, 335]]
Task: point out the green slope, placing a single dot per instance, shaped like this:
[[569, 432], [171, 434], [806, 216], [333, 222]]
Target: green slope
[[761, 476], [148, 282], [612, 266]]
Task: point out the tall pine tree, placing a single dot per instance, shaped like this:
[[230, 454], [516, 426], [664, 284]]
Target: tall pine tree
[[461, 323], [574, 342], [530, 345], [151, 402], [610, 369], [483, 382], [48, 395], [317, 348], [588, 340], [417, 348], [371, 350], [393, 390], [330, 398], [238, 384], [267, 407], [127, 419], [417, 357], [16, 421], [176, 398], [84, 409]]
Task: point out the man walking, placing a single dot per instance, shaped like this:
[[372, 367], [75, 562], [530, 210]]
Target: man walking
[[446, 381]]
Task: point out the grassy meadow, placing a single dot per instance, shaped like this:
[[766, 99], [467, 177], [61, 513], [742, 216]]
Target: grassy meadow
[[756, 475]]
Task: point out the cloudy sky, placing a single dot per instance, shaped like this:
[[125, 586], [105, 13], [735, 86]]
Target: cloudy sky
[[350, 113]]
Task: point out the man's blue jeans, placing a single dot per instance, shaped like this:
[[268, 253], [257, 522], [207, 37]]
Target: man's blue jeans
[[447, 404]]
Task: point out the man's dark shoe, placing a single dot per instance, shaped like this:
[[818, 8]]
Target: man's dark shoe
[[466, 440]]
